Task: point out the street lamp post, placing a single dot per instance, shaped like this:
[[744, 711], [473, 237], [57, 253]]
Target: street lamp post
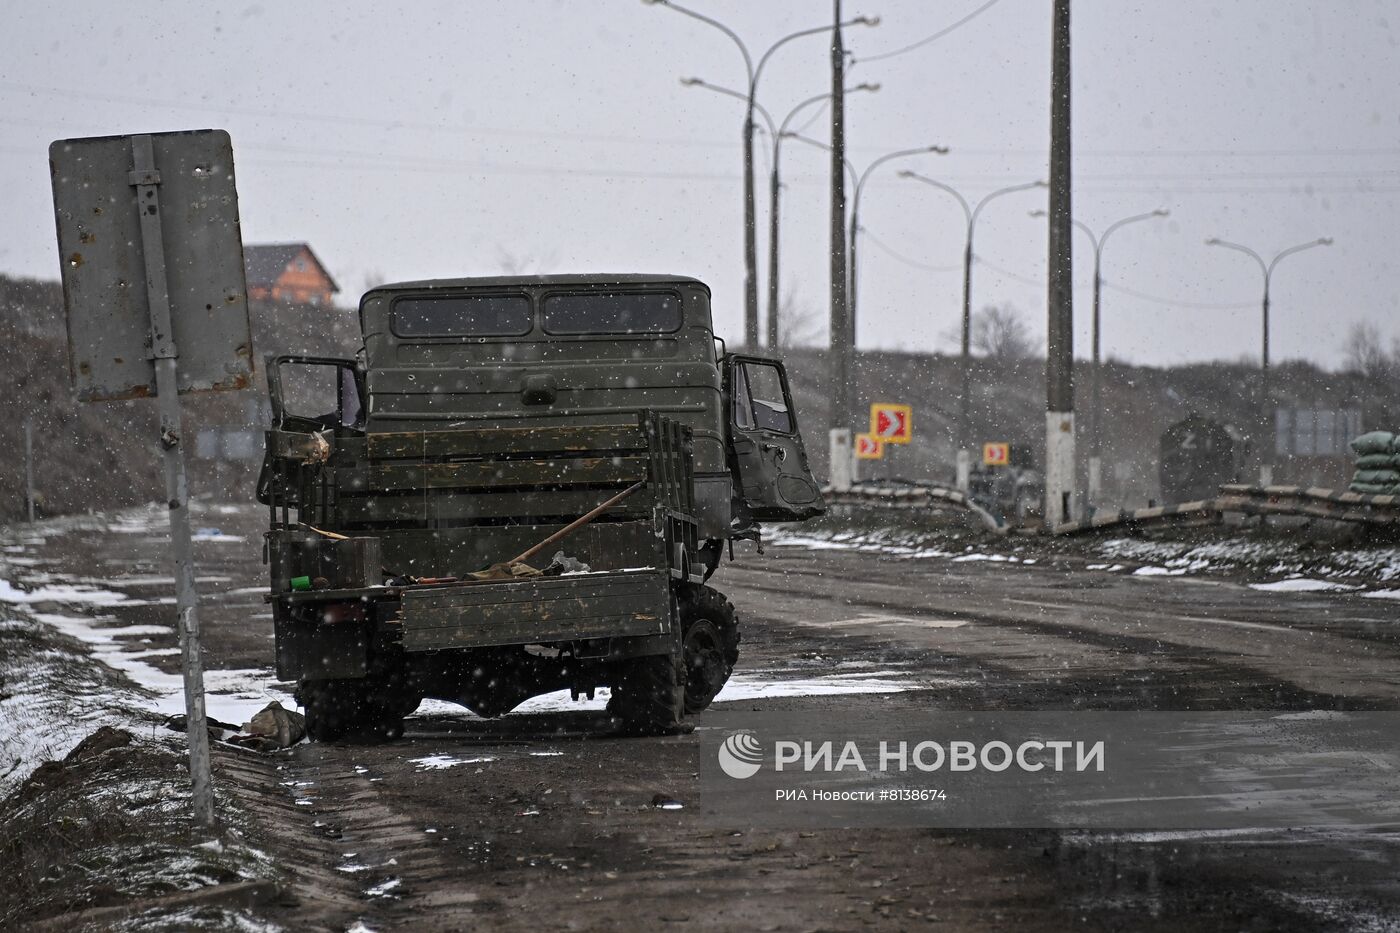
[[1266, 468], [855, 221], [858, 180], [754, 72], [1095, 389], [774, 183], [970, 213]]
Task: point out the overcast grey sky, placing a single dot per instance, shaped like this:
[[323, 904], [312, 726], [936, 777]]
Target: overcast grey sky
[[444, 139]]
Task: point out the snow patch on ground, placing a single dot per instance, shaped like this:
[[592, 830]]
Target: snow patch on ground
[[81, 594], [214, 534], [742, 686], [231, 696], [1301, 585], [443, 762]]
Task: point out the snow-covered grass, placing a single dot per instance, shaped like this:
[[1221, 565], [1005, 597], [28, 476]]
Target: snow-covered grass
[[1271, 562], [1278, 560], [103, 823]]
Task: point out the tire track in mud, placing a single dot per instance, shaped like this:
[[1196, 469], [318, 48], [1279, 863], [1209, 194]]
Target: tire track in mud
[[351, 858]]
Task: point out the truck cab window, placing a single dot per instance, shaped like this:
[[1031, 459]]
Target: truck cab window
[[459, 316], [612, 313]]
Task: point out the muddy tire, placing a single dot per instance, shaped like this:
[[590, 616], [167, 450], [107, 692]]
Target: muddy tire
[[649, 697], [332, 708], [710, 636], [351, 710]]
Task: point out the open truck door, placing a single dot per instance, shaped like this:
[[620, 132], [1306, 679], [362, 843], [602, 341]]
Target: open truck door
[[770, 463], [313, 398]]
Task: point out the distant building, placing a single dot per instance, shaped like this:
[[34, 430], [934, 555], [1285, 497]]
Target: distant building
[[287, 272]]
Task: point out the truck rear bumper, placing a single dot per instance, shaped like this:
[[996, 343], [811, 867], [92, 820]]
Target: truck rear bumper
[[537, 610]]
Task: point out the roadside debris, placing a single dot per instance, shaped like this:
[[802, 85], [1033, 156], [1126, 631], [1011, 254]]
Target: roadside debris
[[271, 728]]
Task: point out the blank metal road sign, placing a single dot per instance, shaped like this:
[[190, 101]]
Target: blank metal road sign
[[891, 423], [99, 203]]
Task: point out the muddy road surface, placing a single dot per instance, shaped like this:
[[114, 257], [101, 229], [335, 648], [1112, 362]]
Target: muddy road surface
[[545, 819]]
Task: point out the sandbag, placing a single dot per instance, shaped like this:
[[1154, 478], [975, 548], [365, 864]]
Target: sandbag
[[1374, 442], [1376, 489], [1376, 477], [1378, 462]]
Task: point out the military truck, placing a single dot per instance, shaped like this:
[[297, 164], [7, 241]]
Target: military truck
[[520, 485]]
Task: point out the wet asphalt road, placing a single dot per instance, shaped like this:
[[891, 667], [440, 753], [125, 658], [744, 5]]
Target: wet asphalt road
[[543, 820]]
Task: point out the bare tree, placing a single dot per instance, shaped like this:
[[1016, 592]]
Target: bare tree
[[1000, 332], [799, 324], [1365, 355]]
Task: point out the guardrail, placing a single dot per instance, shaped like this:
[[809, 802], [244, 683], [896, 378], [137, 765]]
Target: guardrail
[[911, 496], [1299, 501]]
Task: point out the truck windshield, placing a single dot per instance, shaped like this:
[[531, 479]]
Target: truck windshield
[[458, 316], [612, 313]]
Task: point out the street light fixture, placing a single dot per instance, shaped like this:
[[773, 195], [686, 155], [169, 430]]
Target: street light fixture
[[855, 221], [858, 180], [1095, 389], [1268, 270], [754, 72], [1266, 469], [971, 213], [777, 134]]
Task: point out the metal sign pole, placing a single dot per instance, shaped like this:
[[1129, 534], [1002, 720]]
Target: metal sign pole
[[146, 179]]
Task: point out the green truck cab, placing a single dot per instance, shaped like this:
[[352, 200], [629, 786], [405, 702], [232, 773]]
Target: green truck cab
[[417, 495]]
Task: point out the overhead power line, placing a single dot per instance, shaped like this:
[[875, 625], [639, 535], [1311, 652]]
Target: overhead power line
[[213, 107], [1155, 299], [1180, 303], [900, 257], [927, 39]]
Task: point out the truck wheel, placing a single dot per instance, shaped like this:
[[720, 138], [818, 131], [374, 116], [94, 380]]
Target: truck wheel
[[332, 708], [649, 698], [350, 709], [710, 635]]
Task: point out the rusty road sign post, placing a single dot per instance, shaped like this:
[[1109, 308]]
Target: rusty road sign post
[[152, 263]]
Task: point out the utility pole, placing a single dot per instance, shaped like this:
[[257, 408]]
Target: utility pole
[[29, 466], [750, 239], [840, 434], [1095, 471], [774, 205], [1060, 505]]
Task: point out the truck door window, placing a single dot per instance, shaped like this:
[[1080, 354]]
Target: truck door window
[[743, 405], [311, 392], [352, 409], [475, 316], [764, 384], [317, 392]]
